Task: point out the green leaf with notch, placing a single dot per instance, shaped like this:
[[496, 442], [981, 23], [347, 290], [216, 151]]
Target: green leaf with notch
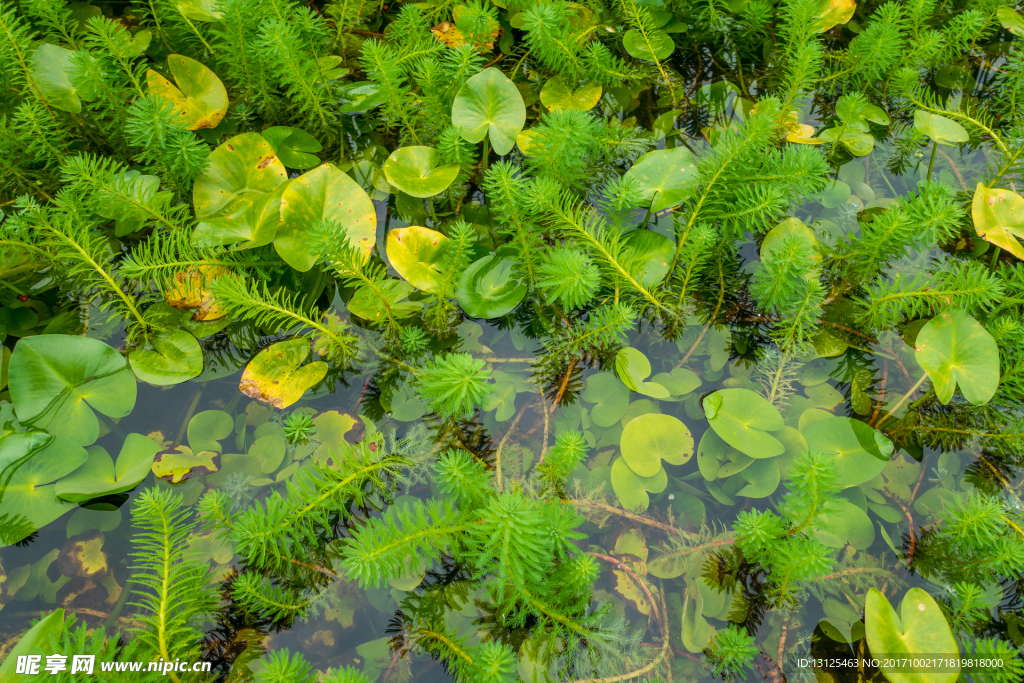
[[742, 419], [955, 350], [489, 288], [490, 104], [415, 170], [100, 476], [199, 96]]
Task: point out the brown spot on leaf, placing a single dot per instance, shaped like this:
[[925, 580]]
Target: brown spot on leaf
[[266, 162]]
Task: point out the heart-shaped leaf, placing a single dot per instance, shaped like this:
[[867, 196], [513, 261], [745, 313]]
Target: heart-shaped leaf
[[361, 96], [99, 476], [860, 451], [416, 253], [180, 464], [651, 252], [489, 288], [30, 491], [207, 429], [490, 104], [274, 374], [632, 489], [999, 218], [954, 349], [654, 45], [558, 93], [772, 242], [199, 97], [323, 194], [942, 130], [761, 478], [293, 146], [610, 397], [176, 357], [49, 68], [502, 400], [415, 171], [633, 369], [238, 197], [742, 418], [920, 628], [651, 438], [848, 524], [667, 177], [57, 380]]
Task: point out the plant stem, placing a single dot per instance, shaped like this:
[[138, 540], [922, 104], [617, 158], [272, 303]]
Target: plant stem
[[931, 162], [487, 151], [501, 447]]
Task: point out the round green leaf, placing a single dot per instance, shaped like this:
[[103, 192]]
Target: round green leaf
[[207, 429], [679, 382], [323, 194], [610, 397], [772, 242], [489, 288], [238, 197], [920, 628], [632, 367], [940, 129], [654, 46], [651, 438], [489, 103], [361, 96], [667, 177], [416, 253], [57, 380], [276, 375], [293, 146], [99, 476], [954, 349], [270, 449], [632, 489], [406, 406], [415, 171], [199, 97], [558, 93], [30, 490], [49, 68], [999, 218], [652, 252], [502, 400], [762, 477], [741, 418], [176, 357], [847, 525], [366, 301], [860, 451]]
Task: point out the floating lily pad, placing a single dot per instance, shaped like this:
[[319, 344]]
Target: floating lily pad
[[416, 253], [762, 477], [57, 380], [179, 464], [323, 194], [99, 476], [848, 525], [919, 628], [999, 218], [31, 492], [653, 45], [860, 451], [293, 146], [610, 396], [176, 357], [632, 489], [633, 368], [207, 429], [742, 418], [942, 130], [772, 242], [652, 252], [270, 450], [274, 375], [407, 406], [49, 68], [415, 170], [651, 438], [954, 349], [238, 197], [190, 290], [558, 93], [489, 288], [390, 296], [199, 97], [490, 104], [667, 177]]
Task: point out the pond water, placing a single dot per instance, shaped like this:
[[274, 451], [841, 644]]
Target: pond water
[[754, 439]]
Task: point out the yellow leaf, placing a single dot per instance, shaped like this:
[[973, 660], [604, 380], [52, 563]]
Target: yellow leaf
[[178, 464], [199, 96], [802, 134], [627, 588], [835, 12], [276, 375], [999, 218], [191, 290]]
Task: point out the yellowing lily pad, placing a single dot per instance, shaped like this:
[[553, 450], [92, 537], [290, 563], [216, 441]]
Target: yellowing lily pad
[[954, 349], [835, 12], [999, 218], [558, 93], [274, 375], [323, 194], [179, 464], [190, 290], [199, 97], [416, 253], [803, 134]]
